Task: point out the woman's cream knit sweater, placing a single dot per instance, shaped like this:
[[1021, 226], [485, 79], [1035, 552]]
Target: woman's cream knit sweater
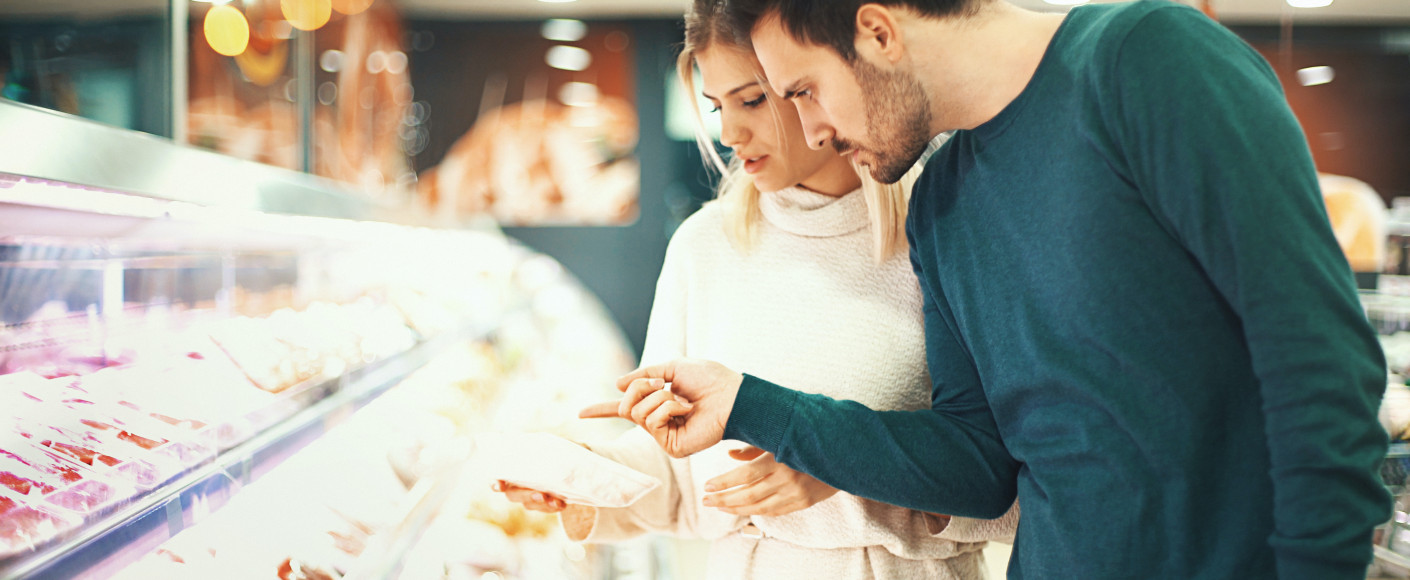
[[810, 308]]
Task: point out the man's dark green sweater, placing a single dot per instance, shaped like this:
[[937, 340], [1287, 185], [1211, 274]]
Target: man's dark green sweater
[[1137, 320]]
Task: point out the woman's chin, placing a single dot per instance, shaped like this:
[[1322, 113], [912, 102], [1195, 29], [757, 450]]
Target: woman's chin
[[766, 185]]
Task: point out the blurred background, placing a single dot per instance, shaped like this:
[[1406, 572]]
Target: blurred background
[[552, 118]]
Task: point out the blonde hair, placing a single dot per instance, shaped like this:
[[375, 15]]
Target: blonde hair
[[887, 204]]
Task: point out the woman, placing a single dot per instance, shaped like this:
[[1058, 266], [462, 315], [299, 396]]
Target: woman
[[785, 275]]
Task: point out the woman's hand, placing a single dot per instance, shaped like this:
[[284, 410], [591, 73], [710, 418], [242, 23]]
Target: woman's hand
[[764, 487], [538, 501], [578, 520]]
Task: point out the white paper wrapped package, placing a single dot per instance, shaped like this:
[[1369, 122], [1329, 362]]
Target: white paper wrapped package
[[549, 463]]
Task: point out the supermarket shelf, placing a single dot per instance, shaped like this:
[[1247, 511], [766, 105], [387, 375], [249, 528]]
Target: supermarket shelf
[[105, 546]]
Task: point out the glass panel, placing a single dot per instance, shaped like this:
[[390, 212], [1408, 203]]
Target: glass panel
[[107, 61], [243, 96], [532, 123], [363, 92]]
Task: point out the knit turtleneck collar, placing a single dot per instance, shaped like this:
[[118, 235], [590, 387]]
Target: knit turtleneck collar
[[807, 213]]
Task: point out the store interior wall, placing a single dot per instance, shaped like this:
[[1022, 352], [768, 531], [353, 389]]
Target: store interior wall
[[1357, 123], [619, 264]]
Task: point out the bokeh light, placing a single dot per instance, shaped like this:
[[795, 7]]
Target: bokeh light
[[351, 6], [307, 14], [226, 30]]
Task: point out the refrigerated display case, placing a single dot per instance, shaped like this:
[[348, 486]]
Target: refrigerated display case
[[206, 361]]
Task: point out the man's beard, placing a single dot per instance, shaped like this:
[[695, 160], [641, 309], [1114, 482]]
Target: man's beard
[[898, 121]]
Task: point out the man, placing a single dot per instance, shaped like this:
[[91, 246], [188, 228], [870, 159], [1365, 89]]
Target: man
[[1137, 317]]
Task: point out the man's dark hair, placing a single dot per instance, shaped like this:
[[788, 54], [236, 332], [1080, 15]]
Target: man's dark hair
[[830, 23]]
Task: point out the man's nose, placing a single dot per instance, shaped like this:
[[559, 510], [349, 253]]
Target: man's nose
[[815, 129]]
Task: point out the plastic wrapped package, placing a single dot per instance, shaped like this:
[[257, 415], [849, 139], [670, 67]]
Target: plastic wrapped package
[[79, 421], [24, 526], [100, 451], [201, 390], [380, 329], [251, 343], [37, 472], [560, 467]]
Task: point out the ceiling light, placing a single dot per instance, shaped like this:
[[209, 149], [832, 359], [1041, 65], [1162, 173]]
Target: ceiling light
[[1315, 75], [557, 1], [1066, 2], [563, 30], [1309, 3], [568, 58], [578, 94]]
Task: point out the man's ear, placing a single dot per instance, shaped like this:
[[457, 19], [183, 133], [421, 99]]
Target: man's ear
[[879, 34]]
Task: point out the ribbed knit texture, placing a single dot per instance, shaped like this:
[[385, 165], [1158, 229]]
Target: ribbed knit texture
[[809, 307]]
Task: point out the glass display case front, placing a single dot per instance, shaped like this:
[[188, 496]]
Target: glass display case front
[[159, 357]]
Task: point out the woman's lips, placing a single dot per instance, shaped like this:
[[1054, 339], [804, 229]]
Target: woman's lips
[[752, 165]]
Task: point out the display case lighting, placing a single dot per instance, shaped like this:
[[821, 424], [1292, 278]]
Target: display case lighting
[[1315, 75], [577, 94], [563, 29], [568, 58]]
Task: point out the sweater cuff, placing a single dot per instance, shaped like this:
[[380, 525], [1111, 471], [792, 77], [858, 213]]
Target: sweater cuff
[[761, 414]]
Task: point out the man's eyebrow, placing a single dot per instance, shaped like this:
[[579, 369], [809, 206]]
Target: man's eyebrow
[[793, 89], [732, 91]]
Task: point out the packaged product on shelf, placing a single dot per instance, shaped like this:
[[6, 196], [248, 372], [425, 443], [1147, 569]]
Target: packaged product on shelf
[[89, 430], [189, 383], [24, 527], [1394, 413], [252, 344], [39, 474], [425, 315]]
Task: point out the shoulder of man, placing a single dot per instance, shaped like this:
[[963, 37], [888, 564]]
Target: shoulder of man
[[1110, 28]]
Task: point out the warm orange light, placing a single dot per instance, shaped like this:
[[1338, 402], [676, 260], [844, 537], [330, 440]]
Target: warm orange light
[[351, 6], [226, 30], [307, 14]]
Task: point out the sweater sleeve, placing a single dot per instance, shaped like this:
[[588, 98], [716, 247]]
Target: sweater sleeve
[[1217, 153], [1000, 529], [660, 511], [947, 459]]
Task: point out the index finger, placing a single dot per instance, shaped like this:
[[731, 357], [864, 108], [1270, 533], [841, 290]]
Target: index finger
[[601, 410], [665, 371]]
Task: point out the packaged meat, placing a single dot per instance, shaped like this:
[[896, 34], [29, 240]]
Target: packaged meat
[[99, 450], [208, 395], [251, 343], [36, 472], [560, 467], [25, 526]]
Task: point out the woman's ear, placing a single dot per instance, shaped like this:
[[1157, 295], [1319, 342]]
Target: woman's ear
[[879, 34]]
